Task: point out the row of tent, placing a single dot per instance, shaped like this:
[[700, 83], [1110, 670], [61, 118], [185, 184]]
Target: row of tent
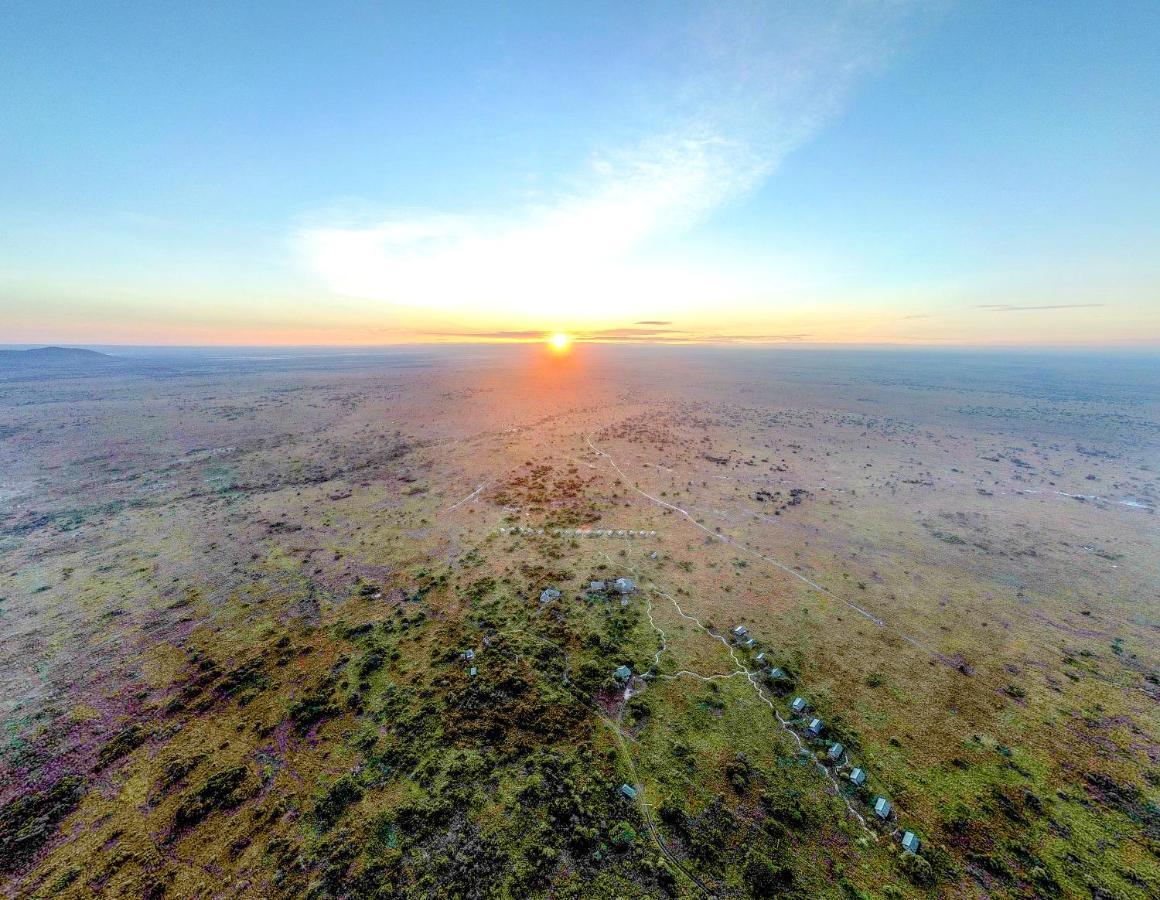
[[882, 806], [580, 532]]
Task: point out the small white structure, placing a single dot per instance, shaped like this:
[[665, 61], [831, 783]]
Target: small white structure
[[760, 658], [910, 842], [471, 671], [858, 777], [624, 585], [799, 705], [835, 751], [596, 586], [469, 655], [882, 808], [816, 727], [740, 631], [548, 595], [776, 673]]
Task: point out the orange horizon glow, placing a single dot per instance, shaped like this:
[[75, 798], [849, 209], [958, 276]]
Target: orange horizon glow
[[798, 328]]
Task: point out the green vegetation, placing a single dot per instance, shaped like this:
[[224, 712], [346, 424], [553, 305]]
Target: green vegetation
[[28, 822], [252, 656]]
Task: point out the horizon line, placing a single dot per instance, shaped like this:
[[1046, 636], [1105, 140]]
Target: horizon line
[[1147, 344]]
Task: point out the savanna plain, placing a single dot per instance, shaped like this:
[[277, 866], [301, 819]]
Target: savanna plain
[[516, 622]]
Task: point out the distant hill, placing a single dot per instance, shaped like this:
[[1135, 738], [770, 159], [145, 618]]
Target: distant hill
[[54, 359]]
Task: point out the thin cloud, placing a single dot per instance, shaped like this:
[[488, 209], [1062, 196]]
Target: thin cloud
[[918, 316], [526, 335], [629, 332], [759, 338], [689, 337], [652, 322], [755, 83], [1007, 307], [618, 336]]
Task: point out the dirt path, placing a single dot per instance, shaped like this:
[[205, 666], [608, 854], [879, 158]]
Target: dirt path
[[739, 670], [646, 813], [468, 498], [728, 539]]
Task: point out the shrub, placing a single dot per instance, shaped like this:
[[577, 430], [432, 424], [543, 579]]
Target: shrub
[[917, 869], [765, 879], [621, 835], [29, 821], [672, 813], [335, 800], [221, 790], [312, 708], [121, 744]]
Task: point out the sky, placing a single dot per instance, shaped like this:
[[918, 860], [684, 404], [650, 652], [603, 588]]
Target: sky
[[893, 172]]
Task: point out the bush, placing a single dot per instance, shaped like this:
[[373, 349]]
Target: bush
[[312, 708], [917, 869], [672, 813], [738, 773], [621, 835], [639, 708], [221, 790], [765, 879], [29, 821], [121, 744], [334, 802], [1045, 883], [789, 810]]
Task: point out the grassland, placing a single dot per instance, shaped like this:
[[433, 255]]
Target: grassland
[[235, 603]]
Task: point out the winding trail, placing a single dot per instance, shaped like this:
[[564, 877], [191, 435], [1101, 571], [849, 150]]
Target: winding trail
[[468, 498], [625, 752], [728, 539], [750, 676], [646, 813]]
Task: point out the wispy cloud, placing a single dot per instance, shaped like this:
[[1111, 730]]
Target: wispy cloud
[[765, 81], [629, 332], [1007, 307], [518, 335], [613, 336], [652, 322]]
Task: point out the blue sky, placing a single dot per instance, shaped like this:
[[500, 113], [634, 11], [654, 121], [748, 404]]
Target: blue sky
[[371, 172]]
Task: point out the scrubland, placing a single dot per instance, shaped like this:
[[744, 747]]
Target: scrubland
[[235, 603]]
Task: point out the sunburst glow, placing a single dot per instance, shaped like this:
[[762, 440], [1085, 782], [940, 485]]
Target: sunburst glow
[[559, 341]]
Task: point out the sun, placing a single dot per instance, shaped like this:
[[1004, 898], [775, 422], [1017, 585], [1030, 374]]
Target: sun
[[559, 341]]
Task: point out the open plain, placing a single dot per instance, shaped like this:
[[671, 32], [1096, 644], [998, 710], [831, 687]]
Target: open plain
[[325, 624]]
